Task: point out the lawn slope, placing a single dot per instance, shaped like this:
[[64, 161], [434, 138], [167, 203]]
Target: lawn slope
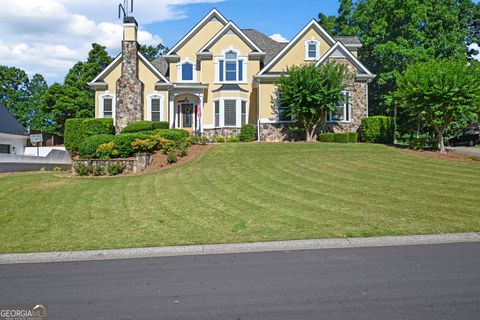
[[244, 192]]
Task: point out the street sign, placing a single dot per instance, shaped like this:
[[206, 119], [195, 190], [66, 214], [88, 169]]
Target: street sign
[[36, 138]]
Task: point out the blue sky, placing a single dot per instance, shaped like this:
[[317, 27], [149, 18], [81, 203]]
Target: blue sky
[[268, 16]]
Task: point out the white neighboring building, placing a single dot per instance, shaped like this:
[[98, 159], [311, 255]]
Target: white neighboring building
[[13, 136]]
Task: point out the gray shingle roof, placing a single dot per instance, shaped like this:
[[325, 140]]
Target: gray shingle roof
[[8, 123], [348, 40], [264, 42], [162, 65], [230, 87]]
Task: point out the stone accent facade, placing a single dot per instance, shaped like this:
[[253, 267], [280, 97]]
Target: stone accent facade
[[221, 132], [129, 106], [278, 132], [132, 165]]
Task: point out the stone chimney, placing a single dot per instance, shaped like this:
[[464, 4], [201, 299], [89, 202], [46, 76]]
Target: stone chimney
[[129, 106]]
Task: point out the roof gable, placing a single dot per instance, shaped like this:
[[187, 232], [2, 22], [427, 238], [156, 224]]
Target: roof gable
[[311, 25], [229, 28], [338, 50], [214, 15], [8, 123]]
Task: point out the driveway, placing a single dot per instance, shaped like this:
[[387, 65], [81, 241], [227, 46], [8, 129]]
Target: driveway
[[471, 151], [405, 282]]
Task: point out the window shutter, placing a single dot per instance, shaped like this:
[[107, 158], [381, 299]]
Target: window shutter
[[220, 76], [347, 106], [240, 70]]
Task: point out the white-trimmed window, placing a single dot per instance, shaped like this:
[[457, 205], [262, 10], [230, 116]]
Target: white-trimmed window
[[155, 107], [312, 49], [230, 112], [107, 106], [343, 112], [230, 67], [187, 71]]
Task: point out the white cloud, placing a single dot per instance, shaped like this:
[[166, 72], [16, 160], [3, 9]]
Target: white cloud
[[50, 36], [476, 47], [278, 37]]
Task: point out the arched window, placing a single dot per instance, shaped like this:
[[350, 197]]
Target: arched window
[[231, 67], [187, 72], [107, 106], [312, 49]]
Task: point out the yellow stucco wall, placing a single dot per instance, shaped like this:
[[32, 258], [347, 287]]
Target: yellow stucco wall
[[266, 92], [296, 54], [130, 33], [194, 44], [228, 41]]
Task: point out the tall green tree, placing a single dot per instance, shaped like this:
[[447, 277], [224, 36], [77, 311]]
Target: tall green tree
[[307, 92], [341, 25], [440, 93], [74, 98], [13, 90], [34, 117], [152, 53], [397, 33]]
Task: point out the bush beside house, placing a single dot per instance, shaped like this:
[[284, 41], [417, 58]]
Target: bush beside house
[[377, 129], [145, 126], [78, 130]]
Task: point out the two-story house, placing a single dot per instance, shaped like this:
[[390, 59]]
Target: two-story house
[[219, 77]]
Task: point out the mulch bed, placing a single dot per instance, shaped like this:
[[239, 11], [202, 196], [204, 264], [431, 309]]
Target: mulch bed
[[451, 156], [160, 160]]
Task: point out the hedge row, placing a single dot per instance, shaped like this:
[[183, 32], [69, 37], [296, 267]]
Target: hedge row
[[145, 126], [377, 129], [347, 137], [77, 130], [122, 146]]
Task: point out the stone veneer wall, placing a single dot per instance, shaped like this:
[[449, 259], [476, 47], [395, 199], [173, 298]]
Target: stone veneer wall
[[129, 106], [132, 165], [222, 132]]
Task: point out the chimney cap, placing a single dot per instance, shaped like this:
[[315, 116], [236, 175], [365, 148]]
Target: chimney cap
[[130, 20]]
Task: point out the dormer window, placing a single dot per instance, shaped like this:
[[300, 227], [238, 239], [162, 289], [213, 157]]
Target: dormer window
[[312, 49], [230, 68], [186, 71]]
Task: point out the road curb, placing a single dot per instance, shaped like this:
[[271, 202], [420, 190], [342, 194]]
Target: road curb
[[69, 256]]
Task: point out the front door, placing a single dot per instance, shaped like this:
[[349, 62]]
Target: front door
[[186, 116]]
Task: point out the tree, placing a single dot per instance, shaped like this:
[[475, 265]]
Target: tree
[[440, 93], [307, 92], [74, 98], [152, 53], [341, 25], [398, 33], [13, 90], [34, 117]]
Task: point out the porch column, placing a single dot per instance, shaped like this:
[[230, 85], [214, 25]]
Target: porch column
[[200, 102], [171, 98]]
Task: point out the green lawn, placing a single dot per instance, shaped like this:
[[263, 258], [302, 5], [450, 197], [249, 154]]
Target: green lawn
[[241, 193]]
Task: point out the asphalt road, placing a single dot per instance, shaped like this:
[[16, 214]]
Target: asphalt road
[[408, 282]]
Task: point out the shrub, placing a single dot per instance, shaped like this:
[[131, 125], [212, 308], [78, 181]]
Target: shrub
[[123, 143], [342, 137], [416, 144], [352, 137], [140, 126], [183, 150], [115, 169], [219, 139], [88, 149], [233, 139], [247, 133], [106, 151], [78, 130], [83, 170], [199, 140], [171, 134], [98, 171], [166, 145], [377, 129], [145, 145], [171, 157], [327, 137]]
